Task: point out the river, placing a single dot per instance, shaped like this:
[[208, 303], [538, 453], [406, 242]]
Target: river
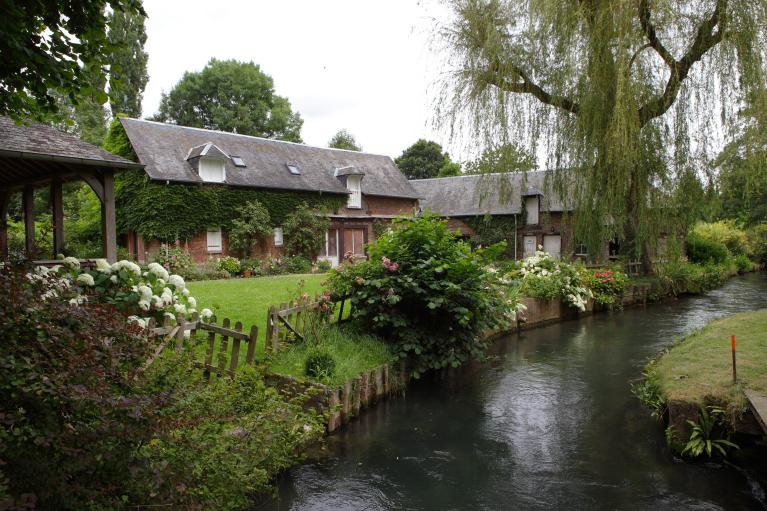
[[548, 423]]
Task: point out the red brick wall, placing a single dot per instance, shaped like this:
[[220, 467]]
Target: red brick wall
[[197, 248], [374, 205]]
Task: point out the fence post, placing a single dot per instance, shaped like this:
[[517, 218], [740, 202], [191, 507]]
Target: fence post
[[180, 323]]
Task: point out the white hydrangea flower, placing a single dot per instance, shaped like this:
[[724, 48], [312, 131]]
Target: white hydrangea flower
[[161, 282], [206, 314], [158, 270], [177, 281], [103, 266], [137, 320], [71, 262], [114, 279], [78, 300], [85, 279], [180, 308], [143, 305], [41, 270], [146, 292], [128, 265], [186, 292], [191, 302]]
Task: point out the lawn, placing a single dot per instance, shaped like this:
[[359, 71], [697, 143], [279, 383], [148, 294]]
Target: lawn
[[353, 353], [248, 300], [701, 365]]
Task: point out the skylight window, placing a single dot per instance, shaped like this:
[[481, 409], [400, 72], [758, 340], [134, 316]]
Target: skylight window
[[293, 168], [238, 162]]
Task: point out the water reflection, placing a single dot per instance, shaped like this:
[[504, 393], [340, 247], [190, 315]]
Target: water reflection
[[548, 423]]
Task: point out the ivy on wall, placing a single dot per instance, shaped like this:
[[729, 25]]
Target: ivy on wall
[[492, 229], [181, 211]]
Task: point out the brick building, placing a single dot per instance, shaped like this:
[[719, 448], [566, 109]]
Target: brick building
[[538, 218], [371, 186]]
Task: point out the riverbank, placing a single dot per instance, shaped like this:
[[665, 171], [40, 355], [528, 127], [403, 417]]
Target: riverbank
[[697, 372]]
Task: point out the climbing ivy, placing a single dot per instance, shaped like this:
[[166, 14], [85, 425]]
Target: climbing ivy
[[181, 211], [491, 229]]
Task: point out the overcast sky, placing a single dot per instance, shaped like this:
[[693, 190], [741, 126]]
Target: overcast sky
[[360, 65]]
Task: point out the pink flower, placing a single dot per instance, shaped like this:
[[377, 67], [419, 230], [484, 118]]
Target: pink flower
[[359, 281]]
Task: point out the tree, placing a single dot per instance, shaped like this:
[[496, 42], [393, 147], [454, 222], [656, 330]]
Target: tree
[[232, 96], [344, 140], [305, 232], [127, 73], [615, 90], [506, 158], [252, 227], [53, 46], [424, 160]]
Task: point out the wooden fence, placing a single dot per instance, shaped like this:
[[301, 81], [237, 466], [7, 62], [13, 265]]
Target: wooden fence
[[295, 320], [220, 358]]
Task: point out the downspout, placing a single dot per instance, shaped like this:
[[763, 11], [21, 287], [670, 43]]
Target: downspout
[[515, 237]]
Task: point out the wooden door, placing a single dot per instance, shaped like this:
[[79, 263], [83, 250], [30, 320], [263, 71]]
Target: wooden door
[[529, 246]]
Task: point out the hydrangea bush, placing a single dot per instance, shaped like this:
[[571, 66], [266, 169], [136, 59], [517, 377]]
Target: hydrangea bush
[[542, 276], [425, 292], [140, 294]]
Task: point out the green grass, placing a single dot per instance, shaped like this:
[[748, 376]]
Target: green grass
[[248, 300], [353, 352], [700, 366]]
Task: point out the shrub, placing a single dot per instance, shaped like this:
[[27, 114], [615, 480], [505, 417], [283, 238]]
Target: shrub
[[726, 233], [73, 412], [175, 260], [252, 226], [225, 444], [757, 236], [319, 364], [701, 250], [296, 264], [305, 232], [323, 265], [744, 264], [606, 285], [425, 292], [229, 264], [544, 277]]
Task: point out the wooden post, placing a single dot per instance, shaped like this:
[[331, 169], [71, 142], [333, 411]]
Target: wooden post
[[28, 199], [5, 199], [734, 370], [108, 217], [57, 210]]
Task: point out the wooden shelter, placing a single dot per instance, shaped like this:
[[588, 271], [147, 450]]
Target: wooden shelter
[[33, 155]]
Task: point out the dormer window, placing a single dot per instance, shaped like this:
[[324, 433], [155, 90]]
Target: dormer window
[[354, 185], [238, 162], [293, 168], [212, 170]]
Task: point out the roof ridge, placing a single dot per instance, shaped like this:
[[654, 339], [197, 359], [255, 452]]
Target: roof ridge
[[179, 126], [465, 176]]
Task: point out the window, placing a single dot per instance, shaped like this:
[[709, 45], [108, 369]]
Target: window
[[278, 236], [238, 162], [214, 241], [293, 168], [581, 250], [212, 170], [531, 208], [354, 185]]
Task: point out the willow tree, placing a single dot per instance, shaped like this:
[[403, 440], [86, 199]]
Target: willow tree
[[620, 94]]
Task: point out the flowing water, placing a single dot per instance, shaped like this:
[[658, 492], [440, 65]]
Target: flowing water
[[549, 423]]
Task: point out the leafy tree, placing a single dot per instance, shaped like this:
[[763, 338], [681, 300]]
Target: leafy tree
[[52, 46], [450, 169], [232, 96], [615, 90], [424, 160], [305, 232], [743, 170], [128, 75], [344, 140], [252, 227], [506, 158]]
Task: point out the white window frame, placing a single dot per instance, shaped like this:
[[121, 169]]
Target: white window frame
[[215, 248], [278, 237], [530, 218], [209, 166], [581, 253], [354, 185]]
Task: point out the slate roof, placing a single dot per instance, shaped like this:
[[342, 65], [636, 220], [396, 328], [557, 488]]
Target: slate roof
[[163, 149], [485, 194], [34, 140]]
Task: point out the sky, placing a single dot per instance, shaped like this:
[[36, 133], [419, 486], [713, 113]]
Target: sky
[[362, 65]]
